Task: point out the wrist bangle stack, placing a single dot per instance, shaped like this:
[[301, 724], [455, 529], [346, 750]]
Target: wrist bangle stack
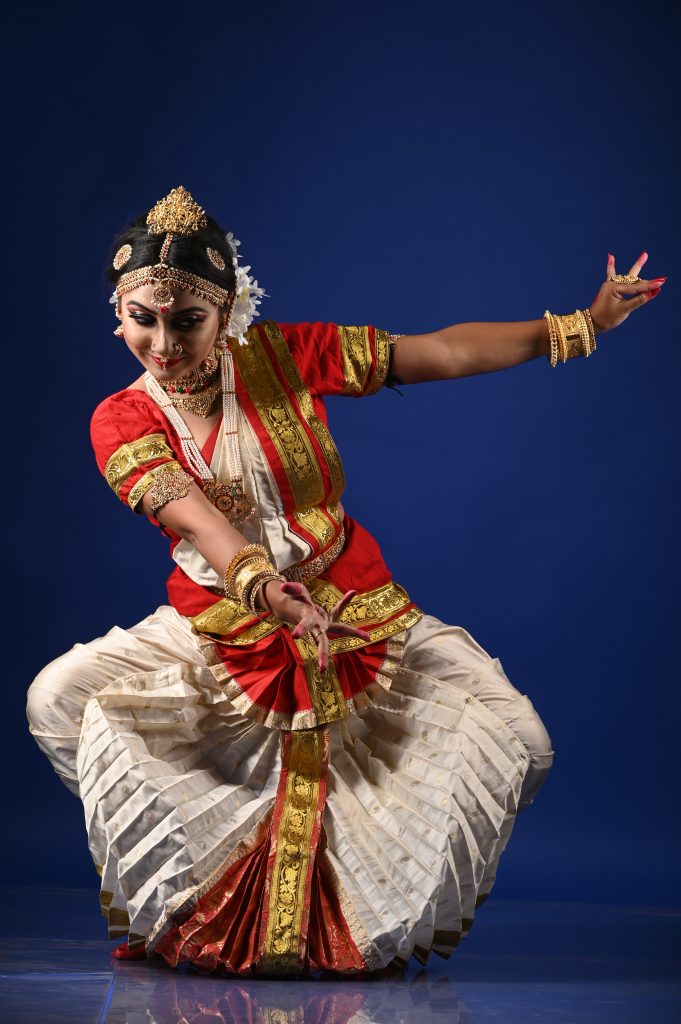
[[571, 335], [247, 574]]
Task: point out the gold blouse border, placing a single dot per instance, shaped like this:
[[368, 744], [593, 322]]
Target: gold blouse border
[[382, 612]]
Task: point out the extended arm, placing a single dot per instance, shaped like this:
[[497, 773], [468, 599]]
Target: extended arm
[[466, 349]]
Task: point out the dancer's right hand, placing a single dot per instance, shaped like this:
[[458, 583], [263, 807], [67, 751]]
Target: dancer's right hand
[[292, 603]]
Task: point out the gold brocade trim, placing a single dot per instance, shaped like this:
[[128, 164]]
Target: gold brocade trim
[[382, 341], [326, 696], [133, 454], [284, 943], [315, 522], [279, 418], [226, 616], [365, 610], [118, 920], [304, 398], [148, 480], [373, 606], [356, 353], [341, 644]]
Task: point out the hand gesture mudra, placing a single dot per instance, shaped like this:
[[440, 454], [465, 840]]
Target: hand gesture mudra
[[297, 606], [616, 299]]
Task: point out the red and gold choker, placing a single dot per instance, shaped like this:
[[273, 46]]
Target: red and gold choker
[[196, 391]]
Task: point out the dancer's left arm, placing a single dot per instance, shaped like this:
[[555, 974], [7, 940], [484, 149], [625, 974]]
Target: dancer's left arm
[[466, 349]]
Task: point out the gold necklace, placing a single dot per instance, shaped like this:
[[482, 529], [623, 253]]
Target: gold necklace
[[196, 391], [229, 498]]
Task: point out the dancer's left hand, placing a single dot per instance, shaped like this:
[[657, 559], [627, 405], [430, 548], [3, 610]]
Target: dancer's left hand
[[614, 301]]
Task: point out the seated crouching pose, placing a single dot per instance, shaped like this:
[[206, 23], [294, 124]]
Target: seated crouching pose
[[289, 767]]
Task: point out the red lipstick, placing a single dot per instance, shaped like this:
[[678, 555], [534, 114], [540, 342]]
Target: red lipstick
[[165, 363]]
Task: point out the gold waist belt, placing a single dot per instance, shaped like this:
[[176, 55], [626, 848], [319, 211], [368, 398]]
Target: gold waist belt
[[307, 570]]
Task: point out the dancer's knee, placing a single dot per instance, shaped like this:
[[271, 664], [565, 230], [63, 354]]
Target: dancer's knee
[[57, 696], [532, 731]]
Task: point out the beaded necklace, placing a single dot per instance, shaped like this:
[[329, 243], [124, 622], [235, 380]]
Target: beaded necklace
[[229, 498]]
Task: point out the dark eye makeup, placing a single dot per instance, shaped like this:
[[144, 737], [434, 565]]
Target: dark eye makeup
[[183, 323]]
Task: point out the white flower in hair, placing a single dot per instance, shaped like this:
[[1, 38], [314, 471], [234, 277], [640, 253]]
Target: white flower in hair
[[247, 296]]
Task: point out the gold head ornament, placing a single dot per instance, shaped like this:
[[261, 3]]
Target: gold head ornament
[[176, 214]]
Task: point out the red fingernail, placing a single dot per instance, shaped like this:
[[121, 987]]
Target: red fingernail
[[643, 254], [653, 292], [658, 280], [610, 257]]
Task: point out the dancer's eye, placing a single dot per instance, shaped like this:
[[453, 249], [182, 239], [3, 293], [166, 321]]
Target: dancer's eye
[[188, 322]]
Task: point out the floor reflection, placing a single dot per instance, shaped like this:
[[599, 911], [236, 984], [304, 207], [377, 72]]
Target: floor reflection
[[523, 963], [161, 996]]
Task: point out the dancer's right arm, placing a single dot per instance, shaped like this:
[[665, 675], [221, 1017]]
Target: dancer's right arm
[[199, 522]]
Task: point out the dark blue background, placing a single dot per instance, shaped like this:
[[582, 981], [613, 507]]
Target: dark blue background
[[409, 167]]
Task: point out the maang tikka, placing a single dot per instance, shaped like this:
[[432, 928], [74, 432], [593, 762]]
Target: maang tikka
[[179, 214]]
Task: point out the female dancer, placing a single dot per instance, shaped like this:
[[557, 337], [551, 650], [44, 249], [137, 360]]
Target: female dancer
[[290, 766]]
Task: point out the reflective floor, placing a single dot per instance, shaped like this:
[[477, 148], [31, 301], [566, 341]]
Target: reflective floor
[[522, 962]]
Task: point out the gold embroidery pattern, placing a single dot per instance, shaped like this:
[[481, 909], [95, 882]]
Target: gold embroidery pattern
[[356, 353], [326, 696], [284, 942], [302, 393], [373, 606], [130, 456], [279, 419], [226, 616], [341, 644], [148, 480], [315, 522], [382, 361]]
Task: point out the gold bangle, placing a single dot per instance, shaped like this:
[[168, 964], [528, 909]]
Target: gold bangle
[[253, 580], [243, 555], [256, 587], [553, 338], [571, 334], [247, 571], [586, 315]]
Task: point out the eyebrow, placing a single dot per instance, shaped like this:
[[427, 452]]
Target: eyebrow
[[186, 309]]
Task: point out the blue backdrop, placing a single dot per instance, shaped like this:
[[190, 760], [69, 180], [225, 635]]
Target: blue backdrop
[[409, 167]]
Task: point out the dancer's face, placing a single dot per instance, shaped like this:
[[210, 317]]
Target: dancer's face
[[173, 343]]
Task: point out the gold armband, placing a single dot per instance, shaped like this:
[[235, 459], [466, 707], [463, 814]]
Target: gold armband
[[170, 483], [571, 335]]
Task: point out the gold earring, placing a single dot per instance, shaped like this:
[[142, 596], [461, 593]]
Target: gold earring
[[221, 340], [119, 331]]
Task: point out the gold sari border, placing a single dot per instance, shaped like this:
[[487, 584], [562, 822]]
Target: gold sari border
[[374, 610], [296, 831], [304, 399], [281, 421]]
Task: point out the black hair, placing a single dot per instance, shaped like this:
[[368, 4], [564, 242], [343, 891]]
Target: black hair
[[187, 252]]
